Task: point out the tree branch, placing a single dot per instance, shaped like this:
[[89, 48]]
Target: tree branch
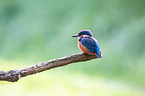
[[15, 75]]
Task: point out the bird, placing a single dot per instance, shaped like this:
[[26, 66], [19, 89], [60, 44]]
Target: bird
[[87, 44]]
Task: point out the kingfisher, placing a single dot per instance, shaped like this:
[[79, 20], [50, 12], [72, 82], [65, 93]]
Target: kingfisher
[[87, 44]]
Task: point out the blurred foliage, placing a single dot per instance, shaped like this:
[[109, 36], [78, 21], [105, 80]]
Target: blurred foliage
[[38, 30]]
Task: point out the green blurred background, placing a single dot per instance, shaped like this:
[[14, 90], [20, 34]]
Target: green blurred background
[[33, 31]]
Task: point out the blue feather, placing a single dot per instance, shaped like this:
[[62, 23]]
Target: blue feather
[[92, 44]]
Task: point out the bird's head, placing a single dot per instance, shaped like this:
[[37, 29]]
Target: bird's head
[[83, 33]]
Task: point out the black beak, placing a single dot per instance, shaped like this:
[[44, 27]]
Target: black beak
[[74, 35]]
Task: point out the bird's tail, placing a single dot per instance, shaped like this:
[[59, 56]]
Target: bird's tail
[[98, 54]]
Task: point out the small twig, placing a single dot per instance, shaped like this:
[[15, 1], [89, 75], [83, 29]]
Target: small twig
[[15, 75]]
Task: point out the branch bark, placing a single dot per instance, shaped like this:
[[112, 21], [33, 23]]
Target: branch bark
[[15, 75]]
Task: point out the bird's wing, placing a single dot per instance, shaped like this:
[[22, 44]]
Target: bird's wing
[[97, 48], [89, 43], [92, 44]]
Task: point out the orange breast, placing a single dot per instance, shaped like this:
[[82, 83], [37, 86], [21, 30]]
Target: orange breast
[[83, 48]]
